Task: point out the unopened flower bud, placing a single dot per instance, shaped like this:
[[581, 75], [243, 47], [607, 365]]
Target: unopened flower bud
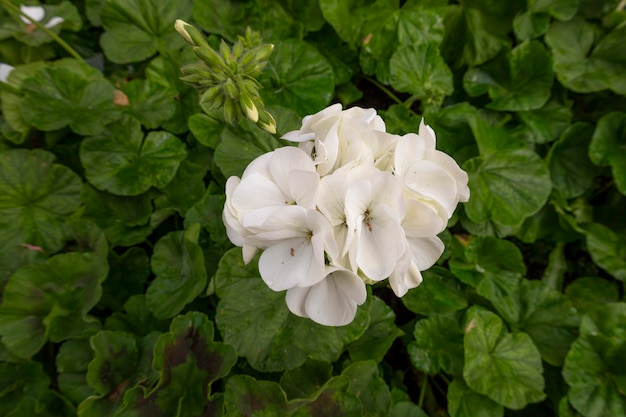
[[208, 55], [266, 122], [231, 89], [238, 49], [248, 107], [230, 111], [190, 33], [210, 94], [227, 56]]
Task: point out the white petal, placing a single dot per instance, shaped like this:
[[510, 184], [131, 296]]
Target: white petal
[[54, 21], [5, 70], [410, 148], [290, 263], [34, 12], [460, 176], [421, 220], [428, 134], [379, 243], [433, 182], [334, 301], [248, 253], [425, 251], [402, 282], [296, 299]]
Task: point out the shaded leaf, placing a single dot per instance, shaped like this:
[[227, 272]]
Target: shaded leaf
[[607, 249], [256, 321], [134, 163], [178, 264], [137, 29], [608, 146], [465, 402], [438, 345], [504, 366], [439, 293], [149, 102], [68, 93]]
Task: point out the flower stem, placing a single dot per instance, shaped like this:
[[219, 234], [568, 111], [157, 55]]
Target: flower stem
[[423, 391], [10, 6], [391, 95]]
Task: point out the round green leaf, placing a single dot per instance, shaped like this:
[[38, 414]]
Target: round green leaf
[[245, 395], [149, 102], [298, 77], [71, 363], [504, 366], [440, 292], [587, 293], [50, 301], [36, 197], [507, 186], [608, 146], [571, 170], [178, 264], [137, 29], [594, 367], [546, 124], [369, 387], [123, 162], [420, 71], [379, 336], [549, 319], [584, 64], [464, 402], [305, 380], [438, 345], [115, 358], [68, 93], [607, 249], [256, 321]]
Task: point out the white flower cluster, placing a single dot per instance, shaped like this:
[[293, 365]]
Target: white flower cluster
[[351, 205]]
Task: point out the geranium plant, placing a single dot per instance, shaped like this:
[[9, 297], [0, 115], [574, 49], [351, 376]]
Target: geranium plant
[[261, 217]]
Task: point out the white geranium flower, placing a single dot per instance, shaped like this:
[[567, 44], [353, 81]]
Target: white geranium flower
[[38, 14], [331, 302], [374, 210], [335, 137], [295, 242], [5, 70]]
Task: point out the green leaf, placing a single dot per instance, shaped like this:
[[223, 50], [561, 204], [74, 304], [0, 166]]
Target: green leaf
[[608, 146], [549, 319], [19, 380], [378, 337], [305, 380], [439, 293], [465, 402], [297, 77], [188, 361], [504, 366], [50, 301], [68, 93], [571, 170], [71, 363], [240, 145], [124, 162], [137, 29], [25, 33], [230, 19], [438, 345], [10, 105], [488, 258], [208, 212], [256, 321], [407, 409], [245, 395], [347, 17], [535, 21], [367, 385], [420, 71], [136, 318], [149, 102], [594, 367], [522, 83], [343, 60], [507, 186], [115, 357], [607, 249], [178, 264], [547, 123], [36, 197], [584, 61], [165, 70], [587, 293], [206, 128], [124, 220], [475, 31]]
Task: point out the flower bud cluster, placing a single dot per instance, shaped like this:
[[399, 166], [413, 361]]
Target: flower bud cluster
[[351, 205], [227, 78]]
